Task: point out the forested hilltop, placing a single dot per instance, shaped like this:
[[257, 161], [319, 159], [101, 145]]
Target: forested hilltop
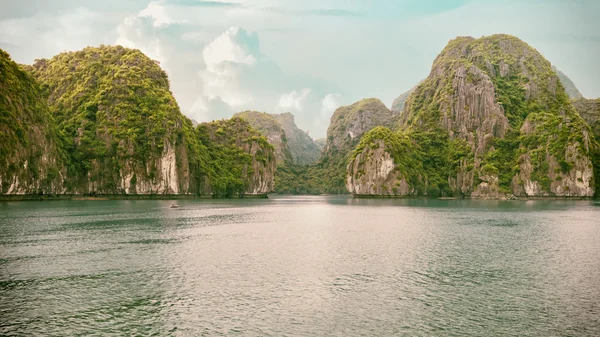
[[493, 119], [104, 122]]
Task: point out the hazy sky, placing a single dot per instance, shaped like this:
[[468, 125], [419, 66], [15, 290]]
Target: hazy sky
[[307, 57]]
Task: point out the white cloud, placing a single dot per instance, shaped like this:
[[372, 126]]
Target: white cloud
[[241, 76], [233, 46], [139, 32], [164, 42], [158, 14], [53, 33], [330, 103], [295, 100]]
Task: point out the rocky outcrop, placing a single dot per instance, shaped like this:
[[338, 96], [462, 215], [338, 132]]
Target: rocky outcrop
[[304, 150], [242, 161], [589, 110], [491, 120], [348, 125], [124, 133], [383, 178], [103, 121], [267, 125], [569, 86], [30, 159], [398, 103], [293, 145]]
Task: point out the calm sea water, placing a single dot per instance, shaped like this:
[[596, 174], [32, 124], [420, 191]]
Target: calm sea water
[[300, 266]]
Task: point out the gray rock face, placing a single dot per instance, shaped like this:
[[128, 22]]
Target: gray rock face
[[569, 86], [589, 110], [502, 99], [304, 150], [382, 179], [349, 123], [292, 145], [398, 103], [261, 178], [475, 112]]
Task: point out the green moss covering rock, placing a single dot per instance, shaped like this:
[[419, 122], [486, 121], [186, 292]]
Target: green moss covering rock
[[241, 160], [491, 120], [30, 156], [589, 110], [348, 125], [103, 121], [294, 148], [122, 129]]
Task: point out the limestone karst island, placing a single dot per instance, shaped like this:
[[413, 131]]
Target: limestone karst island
[[301, 168], [493, 119]]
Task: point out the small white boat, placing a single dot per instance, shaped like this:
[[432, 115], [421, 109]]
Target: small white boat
[[175, 206]]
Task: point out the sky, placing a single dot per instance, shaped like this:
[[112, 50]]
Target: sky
[[306, 57]]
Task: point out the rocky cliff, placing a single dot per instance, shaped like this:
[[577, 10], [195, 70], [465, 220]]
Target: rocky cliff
[[568, 84], [267, 125], [491, 120], [103, 121], [30, 158], [347, 126], [293, 145], [241, 160], [303, 148], [124, 133], [398, 103], [589, 110], [294, 148]]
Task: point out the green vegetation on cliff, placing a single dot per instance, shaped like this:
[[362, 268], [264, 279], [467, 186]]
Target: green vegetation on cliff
[[423, 159], [103, 121], [29, 153], [117, 117], [294, 152], [589, 110], [235, 150], [268, 126], [347, 126], [493, 118]]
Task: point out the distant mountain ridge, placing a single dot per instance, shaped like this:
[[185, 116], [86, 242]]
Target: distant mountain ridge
[[347, 127], [493, 119], [303, 148], [569, 86], [293, 144]]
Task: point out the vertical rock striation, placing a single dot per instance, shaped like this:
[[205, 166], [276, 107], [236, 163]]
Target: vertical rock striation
[[30, 157], [242, 161], [491, 120], [123, 131], [348, 125]]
